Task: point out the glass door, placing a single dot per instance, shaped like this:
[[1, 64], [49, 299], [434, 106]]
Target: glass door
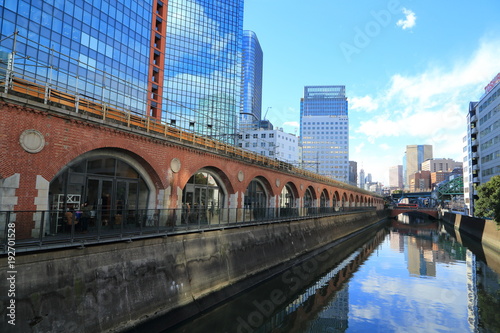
[[100, 199], [127, 202]]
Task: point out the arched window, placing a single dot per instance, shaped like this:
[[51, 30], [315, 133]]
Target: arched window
[[287, 201], [324, 202], [323, 199], [202, 199], [106, 191], [308, 199], [255, 203]]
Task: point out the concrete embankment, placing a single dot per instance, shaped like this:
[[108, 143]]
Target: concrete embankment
[[485, 231], [115, 286], [480, 235]]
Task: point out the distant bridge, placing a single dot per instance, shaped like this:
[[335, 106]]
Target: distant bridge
[[395, 211]]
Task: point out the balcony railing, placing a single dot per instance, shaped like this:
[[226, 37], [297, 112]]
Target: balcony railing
[[57, 229]]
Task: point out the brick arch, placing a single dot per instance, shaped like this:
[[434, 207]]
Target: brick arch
[[149, 163], [327, 194], [220, 175], [344, 199], [336, 196], [146, 171], [267, 185], [294, 189], [314, 196], [313, 191]]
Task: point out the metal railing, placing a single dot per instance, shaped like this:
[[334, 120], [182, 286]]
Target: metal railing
[[25, 231]]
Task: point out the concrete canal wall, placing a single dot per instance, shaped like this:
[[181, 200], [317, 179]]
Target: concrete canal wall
[[485, 231], [115, 286]]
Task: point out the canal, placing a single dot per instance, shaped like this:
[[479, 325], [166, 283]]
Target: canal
[[410, 275]]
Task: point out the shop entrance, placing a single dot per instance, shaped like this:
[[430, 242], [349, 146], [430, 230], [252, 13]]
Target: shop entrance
[[98, 192]]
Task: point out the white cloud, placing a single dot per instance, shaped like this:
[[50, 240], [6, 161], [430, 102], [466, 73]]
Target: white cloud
[[409, 21], [365, 103], [434, 101], [291, 123], [425, 108]]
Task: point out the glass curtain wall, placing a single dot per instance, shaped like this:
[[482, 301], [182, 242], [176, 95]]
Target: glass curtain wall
[[203, 66], [99, 49]]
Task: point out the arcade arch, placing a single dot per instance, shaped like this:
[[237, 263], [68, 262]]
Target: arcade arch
[[106, 187], [256, 200], [287, 200], [204, 199]]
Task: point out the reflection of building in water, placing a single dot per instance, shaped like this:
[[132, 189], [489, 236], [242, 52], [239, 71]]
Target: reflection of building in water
[[324, 304], [487, 290], [421, 244], [334, 318], [397, 242], [420, 257], [471, 291], [325, 281]]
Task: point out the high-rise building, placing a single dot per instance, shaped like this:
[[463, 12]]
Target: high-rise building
[[176, 61], [324, 131], [415, 155], [362, 178], [396, 177], [482, 158], [353, 173], [251, 112]]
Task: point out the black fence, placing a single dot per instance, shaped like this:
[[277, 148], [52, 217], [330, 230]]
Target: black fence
[[55, 229]]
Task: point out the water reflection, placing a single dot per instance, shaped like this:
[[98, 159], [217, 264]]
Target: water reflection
[[412, 275]]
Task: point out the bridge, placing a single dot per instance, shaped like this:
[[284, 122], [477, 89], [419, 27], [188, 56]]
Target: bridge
[[401, 209]]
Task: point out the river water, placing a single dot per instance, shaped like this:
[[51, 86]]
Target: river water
[[411, 275]]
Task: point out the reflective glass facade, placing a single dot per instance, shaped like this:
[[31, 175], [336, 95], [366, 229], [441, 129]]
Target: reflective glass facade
[[324, 101], [104, 50], [202, 81], [324, 131], [99, 51], [252, 80]]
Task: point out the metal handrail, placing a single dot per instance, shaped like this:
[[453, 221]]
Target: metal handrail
[[120, 226]]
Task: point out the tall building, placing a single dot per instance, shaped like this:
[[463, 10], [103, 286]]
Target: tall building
[[252, 63], [396, 177], [324, 131], [482, 159], [353, 173], [176, 61], [362, 178], [414, 156]]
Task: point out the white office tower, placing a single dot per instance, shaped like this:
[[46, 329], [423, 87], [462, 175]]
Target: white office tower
[[324, 131]]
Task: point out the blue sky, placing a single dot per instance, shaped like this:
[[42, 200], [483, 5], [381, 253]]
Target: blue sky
[[410, 68]]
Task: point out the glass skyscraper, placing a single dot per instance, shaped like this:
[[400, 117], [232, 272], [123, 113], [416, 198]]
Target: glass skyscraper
[[177, 61], [324, 131], [252, 81]]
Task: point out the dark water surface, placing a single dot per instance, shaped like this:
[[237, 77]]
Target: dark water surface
[[411, 276]]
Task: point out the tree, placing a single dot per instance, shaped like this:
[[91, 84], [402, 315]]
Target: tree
[[488, 204]]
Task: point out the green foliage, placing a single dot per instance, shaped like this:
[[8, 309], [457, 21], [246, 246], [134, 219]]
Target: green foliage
[[488, 204]]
